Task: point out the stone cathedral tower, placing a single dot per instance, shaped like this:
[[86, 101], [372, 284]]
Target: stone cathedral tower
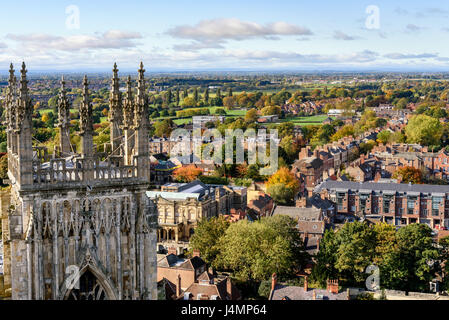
[[79, 225]]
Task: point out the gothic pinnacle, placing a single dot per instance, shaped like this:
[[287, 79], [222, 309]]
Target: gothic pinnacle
[[24, 70], [141, 71], [85, 90], [128, 87], [23, 80], [115, 70], [63, 92], [11, 73]]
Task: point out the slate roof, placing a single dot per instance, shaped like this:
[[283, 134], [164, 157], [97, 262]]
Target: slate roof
[[371, 186], [173, 261], [298, 293], [298, 213]]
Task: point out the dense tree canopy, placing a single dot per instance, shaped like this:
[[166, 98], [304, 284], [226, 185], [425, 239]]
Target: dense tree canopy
[[424, 130]]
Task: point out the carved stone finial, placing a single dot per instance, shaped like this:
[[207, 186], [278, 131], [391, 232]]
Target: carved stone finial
[[63, 106], [141, 69], [64, 120], [128, 105], [11, 73], [86, 124], [23, 77], [24, 105], [141, 109]]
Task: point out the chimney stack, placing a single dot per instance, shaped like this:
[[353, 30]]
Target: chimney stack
[[229, 287], [332, 286], [172, 250], [273, 281], [178, 286], [196, 253], [314, 294], [301, 202], [306, 284]]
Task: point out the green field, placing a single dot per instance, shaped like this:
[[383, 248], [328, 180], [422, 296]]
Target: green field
[[305, 121], [297, 121]]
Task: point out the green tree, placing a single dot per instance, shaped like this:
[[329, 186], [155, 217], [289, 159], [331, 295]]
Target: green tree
[[206, 237], [347, 130], [411, 270], [424, 130], [286, 129], [177, 99], [163, 128], [195, 95], [356, 250], [251, 116], [254, 251], [384, 136], [283, 186], [206, 95]]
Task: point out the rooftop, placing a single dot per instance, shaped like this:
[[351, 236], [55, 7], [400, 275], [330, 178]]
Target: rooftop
[[372, 186]]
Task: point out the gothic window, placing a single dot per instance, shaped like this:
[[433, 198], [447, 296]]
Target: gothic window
[[89, 288]]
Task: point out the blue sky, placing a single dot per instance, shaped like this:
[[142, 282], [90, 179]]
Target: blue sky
[[217, 35]]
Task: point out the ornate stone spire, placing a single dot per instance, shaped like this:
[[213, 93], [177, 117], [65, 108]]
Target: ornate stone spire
[[141, 110], [24, 126], [115, 96], [141, 146], [64, 105], [128, 105], [24, 106], [10, 99], [64, 120], [115, 112], [86, 124], [11, 73]]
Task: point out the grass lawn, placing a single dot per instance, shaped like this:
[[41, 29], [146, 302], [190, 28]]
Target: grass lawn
[[305, 121]]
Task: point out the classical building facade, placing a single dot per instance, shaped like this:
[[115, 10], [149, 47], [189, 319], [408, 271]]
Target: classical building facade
[[180, 206], [79, 225]]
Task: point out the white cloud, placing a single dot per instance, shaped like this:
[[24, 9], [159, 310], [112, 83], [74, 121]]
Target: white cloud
[[399, 56], [339, 35], [235, 29], [113, 39]]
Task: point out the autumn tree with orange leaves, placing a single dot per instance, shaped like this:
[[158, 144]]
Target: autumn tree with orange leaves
[[283, 186], [409, 175], [187, 174]]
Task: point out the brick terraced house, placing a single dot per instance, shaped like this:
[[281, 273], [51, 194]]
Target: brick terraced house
[[397, 204]]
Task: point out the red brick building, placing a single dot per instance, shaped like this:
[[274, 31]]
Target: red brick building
[[397, 204]]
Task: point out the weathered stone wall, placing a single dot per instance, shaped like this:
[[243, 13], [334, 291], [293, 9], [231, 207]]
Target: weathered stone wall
[[4, 210]]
